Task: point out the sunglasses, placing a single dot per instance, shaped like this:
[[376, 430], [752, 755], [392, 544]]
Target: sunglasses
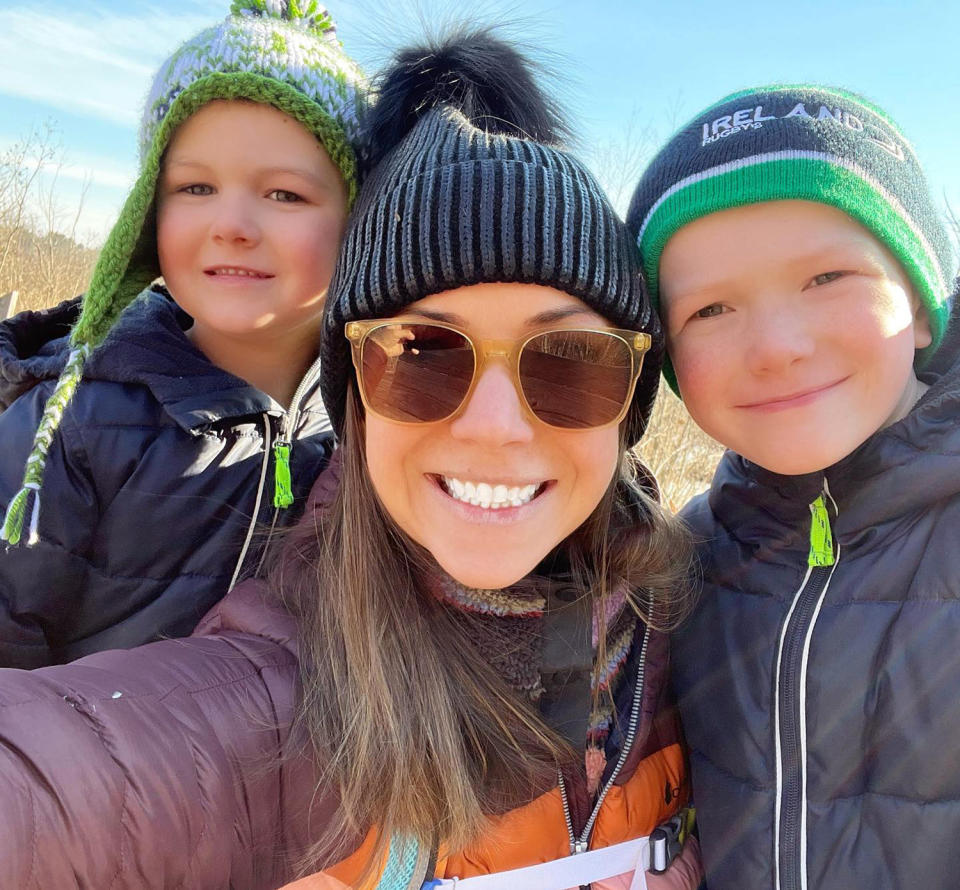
[[424, 372]]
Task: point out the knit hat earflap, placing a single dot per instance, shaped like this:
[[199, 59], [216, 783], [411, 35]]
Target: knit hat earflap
[[468, 186], [799, 142], [283, 53]]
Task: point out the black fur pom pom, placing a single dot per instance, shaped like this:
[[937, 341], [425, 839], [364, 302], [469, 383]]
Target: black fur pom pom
[[483, 77]]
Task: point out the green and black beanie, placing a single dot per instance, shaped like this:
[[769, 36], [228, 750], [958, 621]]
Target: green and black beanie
[[468, 186], [282, 53], [799, 143]]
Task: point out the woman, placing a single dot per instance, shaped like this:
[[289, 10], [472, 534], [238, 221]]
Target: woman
[[472, 596]]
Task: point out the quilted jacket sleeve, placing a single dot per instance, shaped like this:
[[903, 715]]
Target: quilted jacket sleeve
[[40, 584], [159, 767]]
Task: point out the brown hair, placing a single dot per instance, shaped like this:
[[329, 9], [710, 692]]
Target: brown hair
[[412, 728]]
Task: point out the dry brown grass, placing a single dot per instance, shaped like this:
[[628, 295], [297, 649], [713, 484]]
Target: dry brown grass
[[677, 451], [37, 259]]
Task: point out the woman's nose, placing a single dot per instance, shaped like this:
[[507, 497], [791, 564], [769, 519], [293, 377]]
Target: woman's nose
[[494, 413]]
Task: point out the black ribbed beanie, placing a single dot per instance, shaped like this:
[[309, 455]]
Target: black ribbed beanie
[[463, 198]]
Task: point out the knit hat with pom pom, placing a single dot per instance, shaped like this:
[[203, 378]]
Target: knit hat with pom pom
[[469, 184], [283, 53]]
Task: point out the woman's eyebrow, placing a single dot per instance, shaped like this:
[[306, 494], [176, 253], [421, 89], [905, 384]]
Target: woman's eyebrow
[[553, 315], [442, 317], [549, 316]]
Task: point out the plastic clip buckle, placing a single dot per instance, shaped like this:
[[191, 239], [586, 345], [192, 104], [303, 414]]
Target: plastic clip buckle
[[665, 845]]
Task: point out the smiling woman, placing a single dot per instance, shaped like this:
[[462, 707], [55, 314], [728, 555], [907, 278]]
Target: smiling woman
[[492, 564], [465, 677], [494, 443]]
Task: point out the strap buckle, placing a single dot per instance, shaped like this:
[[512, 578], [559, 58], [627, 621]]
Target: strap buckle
[[665, 844]]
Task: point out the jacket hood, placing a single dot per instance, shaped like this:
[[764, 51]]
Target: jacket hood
[[901, 468], [147, 346], [33, 347]]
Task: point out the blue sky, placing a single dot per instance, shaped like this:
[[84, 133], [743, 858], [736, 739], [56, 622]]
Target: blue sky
[[627, 72]]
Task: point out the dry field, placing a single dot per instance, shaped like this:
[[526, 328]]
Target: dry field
[[37, 260]]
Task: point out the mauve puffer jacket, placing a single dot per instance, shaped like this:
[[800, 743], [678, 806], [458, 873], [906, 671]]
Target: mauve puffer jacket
[[168, 766], [174, 766]]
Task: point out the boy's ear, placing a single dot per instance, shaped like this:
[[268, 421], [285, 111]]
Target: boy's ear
[[922, 335]]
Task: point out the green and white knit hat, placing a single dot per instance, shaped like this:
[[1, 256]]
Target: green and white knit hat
[[283, 53], [799, 142]]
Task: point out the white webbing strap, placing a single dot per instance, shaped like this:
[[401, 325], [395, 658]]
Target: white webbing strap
[[562, 874]]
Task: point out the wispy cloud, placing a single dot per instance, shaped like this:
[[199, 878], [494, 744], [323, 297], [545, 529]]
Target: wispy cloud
[[90, 60]]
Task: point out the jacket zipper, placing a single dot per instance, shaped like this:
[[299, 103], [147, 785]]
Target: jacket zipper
[[280, 448], [790, 830], [256, 506], [582, 844]]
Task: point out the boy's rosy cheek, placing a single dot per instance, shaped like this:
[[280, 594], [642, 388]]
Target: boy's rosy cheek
[[692, 368]]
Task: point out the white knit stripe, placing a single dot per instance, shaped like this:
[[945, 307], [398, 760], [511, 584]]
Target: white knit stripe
[[793, 155]]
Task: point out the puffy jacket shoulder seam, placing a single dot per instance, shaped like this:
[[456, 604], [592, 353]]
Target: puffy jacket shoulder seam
[[741, 780], [123, 809]]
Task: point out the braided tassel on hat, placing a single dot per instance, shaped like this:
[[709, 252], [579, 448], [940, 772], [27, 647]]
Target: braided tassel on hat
[[52, 415]]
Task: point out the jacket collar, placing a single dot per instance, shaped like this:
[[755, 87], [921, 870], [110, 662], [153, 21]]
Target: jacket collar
[[147, 346]]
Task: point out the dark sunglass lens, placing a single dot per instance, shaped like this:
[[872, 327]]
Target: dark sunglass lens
[[576, 379], [414, 372]]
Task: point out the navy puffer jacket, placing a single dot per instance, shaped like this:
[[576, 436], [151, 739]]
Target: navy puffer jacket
[[822, 707], [162, 470]]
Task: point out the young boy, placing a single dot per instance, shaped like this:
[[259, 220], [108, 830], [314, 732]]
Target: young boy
[[198, 416], [804, 280]]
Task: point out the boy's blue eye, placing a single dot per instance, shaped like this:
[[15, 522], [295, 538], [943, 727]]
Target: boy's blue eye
[[284, 196], [197, 189], [710, 311], [826, 277]]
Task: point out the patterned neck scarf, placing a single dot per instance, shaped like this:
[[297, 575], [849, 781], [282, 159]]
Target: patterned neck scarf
[[508, 627]]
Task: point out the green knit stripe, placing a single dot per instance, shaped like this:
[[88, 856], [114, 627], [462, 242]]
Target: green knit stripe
[[268, 91], [127, 264], [790, 176], [400, 870], [114, 285], [37, 459]]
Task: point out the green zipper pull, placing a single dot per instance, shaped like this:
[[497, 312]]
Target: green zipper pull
[[282, 483], [821, 537]]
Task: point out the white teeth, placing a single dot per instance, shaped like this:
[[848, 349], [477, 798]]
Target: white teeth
[[243, 273], [484, 495], [489, 497]]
